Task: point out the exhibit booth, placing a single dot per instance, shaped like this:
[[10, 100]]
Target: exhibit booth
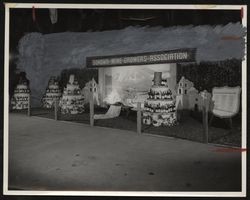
[[130, 76], [127, 64]]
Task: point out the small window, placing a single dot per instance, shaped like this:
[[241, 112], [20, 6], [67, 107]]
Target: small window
[[90, 89], [185, 91], [185, 85], [179, 91], [196, 99], [180, 84]]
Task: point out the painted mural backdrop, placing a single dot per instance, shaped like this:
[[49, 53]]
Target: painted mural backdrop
[[133, 82]]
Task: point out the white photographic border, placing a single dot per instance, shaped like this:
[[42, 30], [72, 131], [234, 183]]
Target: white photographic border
[[6, 191]]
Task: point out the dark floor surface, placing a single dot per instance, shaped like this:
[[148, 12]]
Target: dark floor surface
[[46, 154]]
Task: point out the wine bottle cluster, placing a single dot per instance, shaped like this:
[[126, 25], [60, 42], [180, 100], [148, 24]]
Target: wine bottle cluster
[[20, 98], [160, 95], [53, 91], [159, 108], [21, 91], [72, 92]]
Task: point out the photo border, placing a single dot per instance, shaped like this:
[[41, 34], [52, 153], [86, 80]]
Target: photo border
[[9, 6]]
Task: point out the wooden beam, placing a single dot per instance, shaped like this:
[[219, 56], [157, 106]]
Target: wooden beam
[[139, 117], [205, 123], [56, 109], [231, 123], [91, 109], [29, 105], [211, 119]]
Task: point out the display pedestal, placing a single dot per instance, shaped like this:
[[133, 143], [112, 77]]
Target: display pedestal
[[72, 101], [159, 108], [52, 93], [20, 99]]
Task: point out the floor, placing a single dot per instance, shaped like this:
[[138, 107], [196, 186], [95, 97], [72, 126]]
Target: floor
[[45, 154]]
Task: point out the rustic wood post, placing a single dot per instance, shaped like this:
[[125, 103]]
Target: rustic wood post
[[29, 105], [91, 109], [205, 117], [205, 124], [211, 119], [56, 109], [139, 117]]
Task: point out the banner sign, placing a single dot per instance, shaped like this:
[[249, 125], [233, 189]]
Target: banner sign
[[173, 56]]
